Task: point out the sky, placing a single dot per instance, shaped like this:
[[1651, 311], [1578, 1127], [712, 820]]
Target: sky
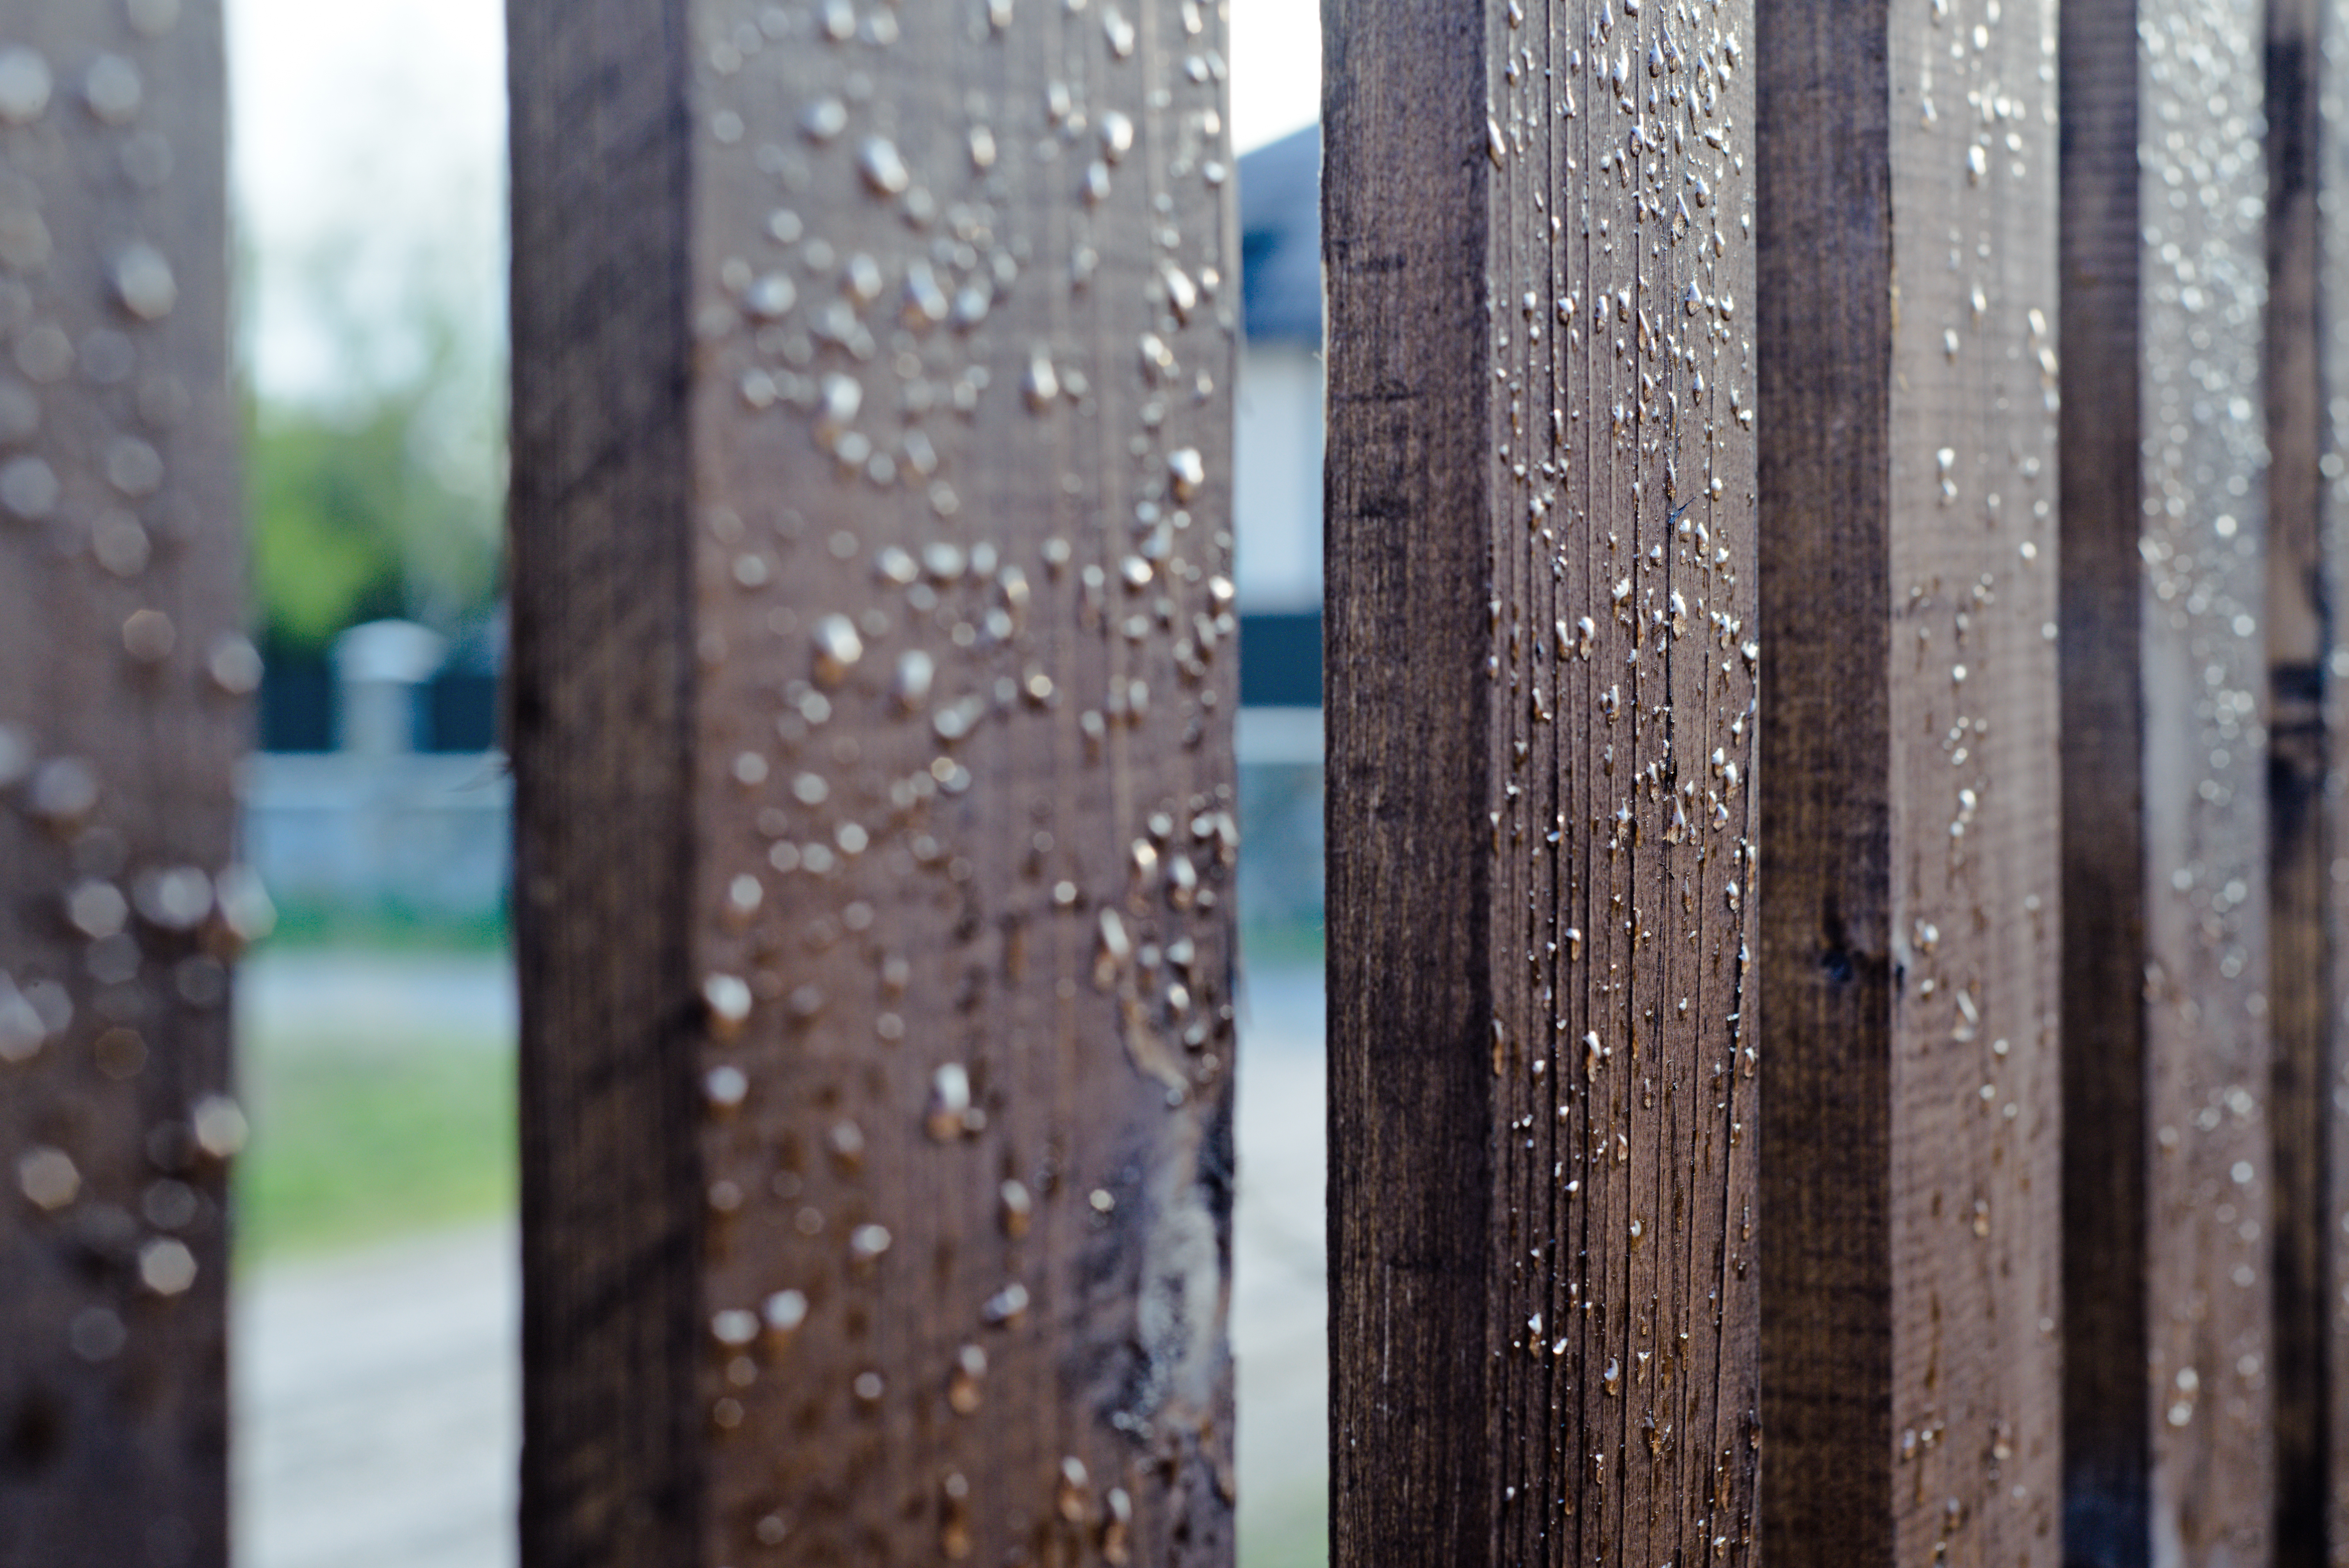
[[369, 168]]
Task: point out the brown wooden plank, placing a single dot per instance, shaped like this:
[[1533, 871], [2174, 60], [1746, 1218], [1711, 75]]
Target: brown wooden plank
[[1540, 687], [1909, 1130], [2106, 1404], [873, 728], [2169, 1283], [122, 714], [2326, 149], [2299, 1005]]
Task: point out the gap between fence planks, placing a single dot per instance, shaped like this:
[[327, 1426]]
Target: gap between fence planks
[[1540, 690], [122, 714], [873, 707], [1911, 903]]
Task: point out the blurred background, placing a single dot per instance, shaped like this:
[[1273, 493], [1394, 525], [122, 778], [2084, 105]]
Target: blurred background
[[376, 1364]]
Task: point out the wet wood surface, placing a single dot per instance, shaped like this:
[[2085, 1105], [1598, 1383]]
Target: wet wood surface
[[873, 711], [122, 713], [1541, 735], [2172, 1348], [2299, 756], [1910, 900], [2327, 149]]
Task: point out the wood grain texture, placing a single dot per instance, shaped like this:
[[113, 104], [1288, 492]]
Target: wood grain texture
[[2296, 626], [600, 724], [2170, 1284], [1540, 693], [123, 674], [2106, 1442], [1911, 1124], [2324, 125], [873, 730]]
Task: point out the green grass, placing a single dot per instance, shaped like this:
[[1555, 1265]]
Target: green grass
[[1290, 1531], [1291, 942], [389, 928], [361, 1143]]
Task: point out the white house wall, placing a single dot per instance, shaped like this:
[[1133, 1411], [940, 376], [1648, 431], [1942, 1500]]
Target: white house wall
[[1277, 477]]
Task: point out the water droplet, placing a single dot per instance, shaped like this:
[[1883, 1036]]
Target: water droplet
[[148, 636], [46, 1176], [29, 489], [1118, 32], [1040, 384], [884, 171], [1116, 135], [949, 1105], [837, 649], [25, 85], [219, 1125], [726, 1087], [785, 1311], [825, 119], [1006, 1306], [166, 1266], [97, 909], [112, 89], [729, 1000]]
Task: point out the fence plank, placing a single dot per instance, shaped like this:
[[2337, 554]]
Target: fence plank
[[2323, 112], [1540, 704], [873, 727], [1909, 1130], [2170, 1443], [121, 716], [2300, 1004]]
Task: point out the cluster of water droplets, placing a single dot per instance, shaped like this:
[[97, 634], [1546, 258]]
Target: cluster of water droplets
[[2205, 454], [121, 711], [1974, 912], [1623, 661], [963, 429]]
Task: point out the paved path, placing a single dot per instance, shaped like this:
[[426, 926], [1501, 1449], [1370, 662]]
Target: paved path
[[377, 1408], [377, 1392]]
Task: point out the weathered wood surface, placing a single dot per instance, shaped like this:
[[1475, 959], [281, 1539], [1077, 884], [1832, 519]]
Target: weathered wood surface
[[2299, 754], [2105, 1404], [2323, 130], [122, 717], [873, 727], [1910, 902], [1540, 700], [2170, 1440]]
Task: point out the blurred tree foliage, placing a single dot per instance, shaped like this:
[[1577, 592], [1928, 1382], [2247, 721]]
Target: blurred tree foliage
[[383, 495]]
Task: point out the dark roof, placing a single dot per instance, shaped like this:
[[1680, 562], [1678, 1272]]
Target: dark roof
[[1281, 238]]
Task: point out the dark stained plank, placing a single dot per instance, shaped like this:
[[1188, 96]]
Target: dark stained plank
[[2321, 1466], [1910, 902], [2300, 1004], [2170, 1441], [1540, 696], [873, 732], [123, 679]]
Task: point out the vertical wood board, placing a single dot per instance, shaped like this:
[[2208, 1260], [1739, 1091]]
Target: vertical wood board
[[1541, 710], [2296, 631], [939, 982], [1912, 913], [2166, 297], [122, 713]]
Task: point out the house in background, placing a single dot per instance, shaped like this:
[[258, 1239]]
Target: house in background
[[1277, 464], [1277, 526]]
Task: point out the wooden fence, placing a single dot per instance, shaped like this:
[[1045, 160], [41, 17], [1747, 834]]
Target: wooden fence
[[1838, 869]]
